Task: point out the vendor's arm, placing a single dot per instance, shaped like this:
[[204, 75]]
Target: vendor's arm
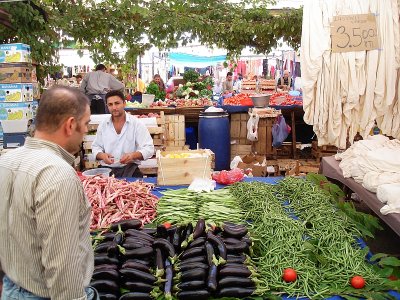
[[115, 84], [144, 145], [58, 226], [279, 84], [129, 157], [98, 147]]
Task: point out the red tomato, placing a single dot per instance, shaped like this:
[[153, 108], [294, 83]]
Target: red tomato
[[357, 282], [167, 225], [289, 275], [393, 277]]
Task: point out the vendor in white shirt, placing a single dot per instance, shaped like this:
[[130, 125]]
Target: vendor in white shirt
[[122, 140]]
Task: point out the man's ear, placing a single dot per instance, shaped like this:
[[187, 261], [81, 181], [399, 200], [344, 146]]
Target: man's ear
[[69, 125]]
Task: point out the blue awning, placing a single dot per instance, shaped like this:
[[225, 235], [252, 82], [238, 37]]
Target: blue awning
[[191, 60]]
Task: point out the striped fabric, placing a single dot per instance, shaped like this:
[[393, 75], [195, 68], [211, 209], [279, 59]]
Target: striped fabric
[[44, 222]]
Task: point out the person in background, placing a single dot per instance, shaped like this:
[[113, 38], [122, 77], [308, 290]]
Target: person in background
[[64, 81], [285, 82], [237, 87], [122, 140], [227, 86], [141, 87], [158, 80], [45, 244], [78, 79], [96, 84]]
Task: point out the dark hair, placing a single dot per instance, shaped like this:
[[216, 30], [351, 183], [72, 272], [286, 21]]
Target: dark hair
[[78, 76], [57, 104], [115, 93], [229, 74], [100, 67]]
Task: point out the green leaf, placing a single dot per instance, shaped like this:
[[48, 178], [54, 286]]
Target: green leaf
[[378, 256], [348, 297], [389, 261], [386, 272]]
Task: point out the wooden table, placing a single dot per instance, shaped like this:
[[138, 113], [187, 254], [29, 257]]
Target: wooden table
[[330, 168]]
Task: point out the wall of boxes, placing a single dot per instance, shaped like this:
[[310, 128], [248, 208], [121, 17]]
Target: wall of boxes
[[19, 87]]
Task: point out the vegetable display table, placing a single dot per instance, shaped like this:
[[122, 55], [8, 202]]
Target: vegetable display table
[[330, 168], [271, 180]]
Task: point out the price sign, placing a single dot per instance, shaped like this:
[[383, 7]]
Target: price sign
[[354, 33]]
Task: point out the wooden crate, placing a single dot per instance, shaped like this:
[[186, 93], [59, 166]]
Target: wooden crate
[[264, 144], [182, 171], [91, 164], [321, 151], [267, 84], [238, 129], [87, 145], [248, 85], [175, 134], [92, 127], [240, 150], [239, 134], [302, 169]]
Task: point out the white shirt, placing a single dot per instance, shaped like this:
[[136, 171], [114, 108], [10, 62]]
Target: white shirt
[[134, 137]]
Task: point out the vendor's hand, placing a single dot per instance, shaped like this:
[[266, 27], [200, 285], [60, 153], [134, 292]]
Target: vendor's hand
[[126, 158], [107, 158]]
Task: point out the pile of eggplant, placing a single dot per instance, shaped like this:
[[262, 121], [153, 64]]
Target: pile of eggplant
[[173, 262], [215, 264]]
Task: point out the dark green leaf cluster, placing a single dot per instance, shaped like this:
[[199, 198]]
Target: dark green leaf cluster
[[138, 25]]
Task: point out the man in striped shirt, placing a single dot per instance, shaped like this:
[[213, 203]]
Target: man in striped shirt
[[45, 248]]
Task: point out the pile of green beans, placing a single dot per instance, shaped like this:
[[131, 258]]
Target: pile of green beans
[[295, 225], [183, 206], [333, 232]]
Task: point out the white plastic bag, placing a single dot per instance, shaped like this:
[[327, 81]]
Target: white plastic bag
[[202, 185], [252, 127]]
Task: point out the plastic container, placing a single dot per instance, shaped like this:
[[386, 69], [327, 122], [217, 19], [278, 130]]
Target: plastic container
[[214, 134], [147, 99], [105, 172]]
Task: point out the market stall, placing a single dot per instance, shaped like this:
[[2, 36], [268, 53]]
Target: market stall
[[201, 245], [330, 168]]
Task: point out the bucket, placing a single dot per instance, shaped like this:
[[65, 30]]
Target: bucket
[[105, 172], [214, 134]]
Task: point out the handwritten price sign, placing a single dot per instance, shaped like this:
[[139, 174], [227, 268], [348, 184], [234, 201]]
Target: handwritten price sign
[[354, 33]]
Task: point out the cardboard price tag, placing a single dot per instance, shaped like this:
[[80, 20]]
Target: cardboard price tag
[[354, 33]]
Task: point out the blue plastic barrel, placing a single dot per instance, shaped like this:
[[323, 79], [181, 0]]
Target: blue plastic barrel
[[214, 134]]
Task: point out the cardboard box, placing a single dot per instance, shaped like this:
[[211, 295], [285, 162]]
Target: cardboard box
[[16, 73], [182, 171], [255, 163], [16, 92], [36, 90], [15, 53], [15, 111], [34, 108]]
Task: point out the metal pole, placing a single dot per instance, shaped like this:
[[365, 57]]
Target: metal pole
[[140, 65], [152, 65]]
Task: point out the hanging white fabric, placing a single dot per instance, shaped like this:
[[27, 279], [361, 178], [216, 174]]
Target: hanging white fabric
[[345, 93]]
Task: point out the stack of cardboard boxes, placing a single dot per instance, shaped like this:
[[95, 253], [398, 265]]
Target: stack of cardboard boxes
[[18, 83]]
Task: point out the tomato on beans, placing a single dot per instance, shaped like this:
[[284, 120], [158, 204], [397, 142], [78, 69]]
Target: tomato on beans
[[289, 275], [357, 282]]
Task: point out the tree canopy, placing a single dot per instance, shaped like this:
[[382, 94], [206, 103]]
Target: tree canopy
[[137, 25]]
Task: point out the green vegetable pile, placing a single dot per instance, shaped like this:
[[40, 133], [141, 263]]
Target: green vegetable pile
[[153, 89], [182, 206], [296, 224]]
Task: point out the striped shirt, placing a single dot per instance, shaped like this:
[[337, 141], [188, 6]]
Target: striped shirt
[[44, 222]]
